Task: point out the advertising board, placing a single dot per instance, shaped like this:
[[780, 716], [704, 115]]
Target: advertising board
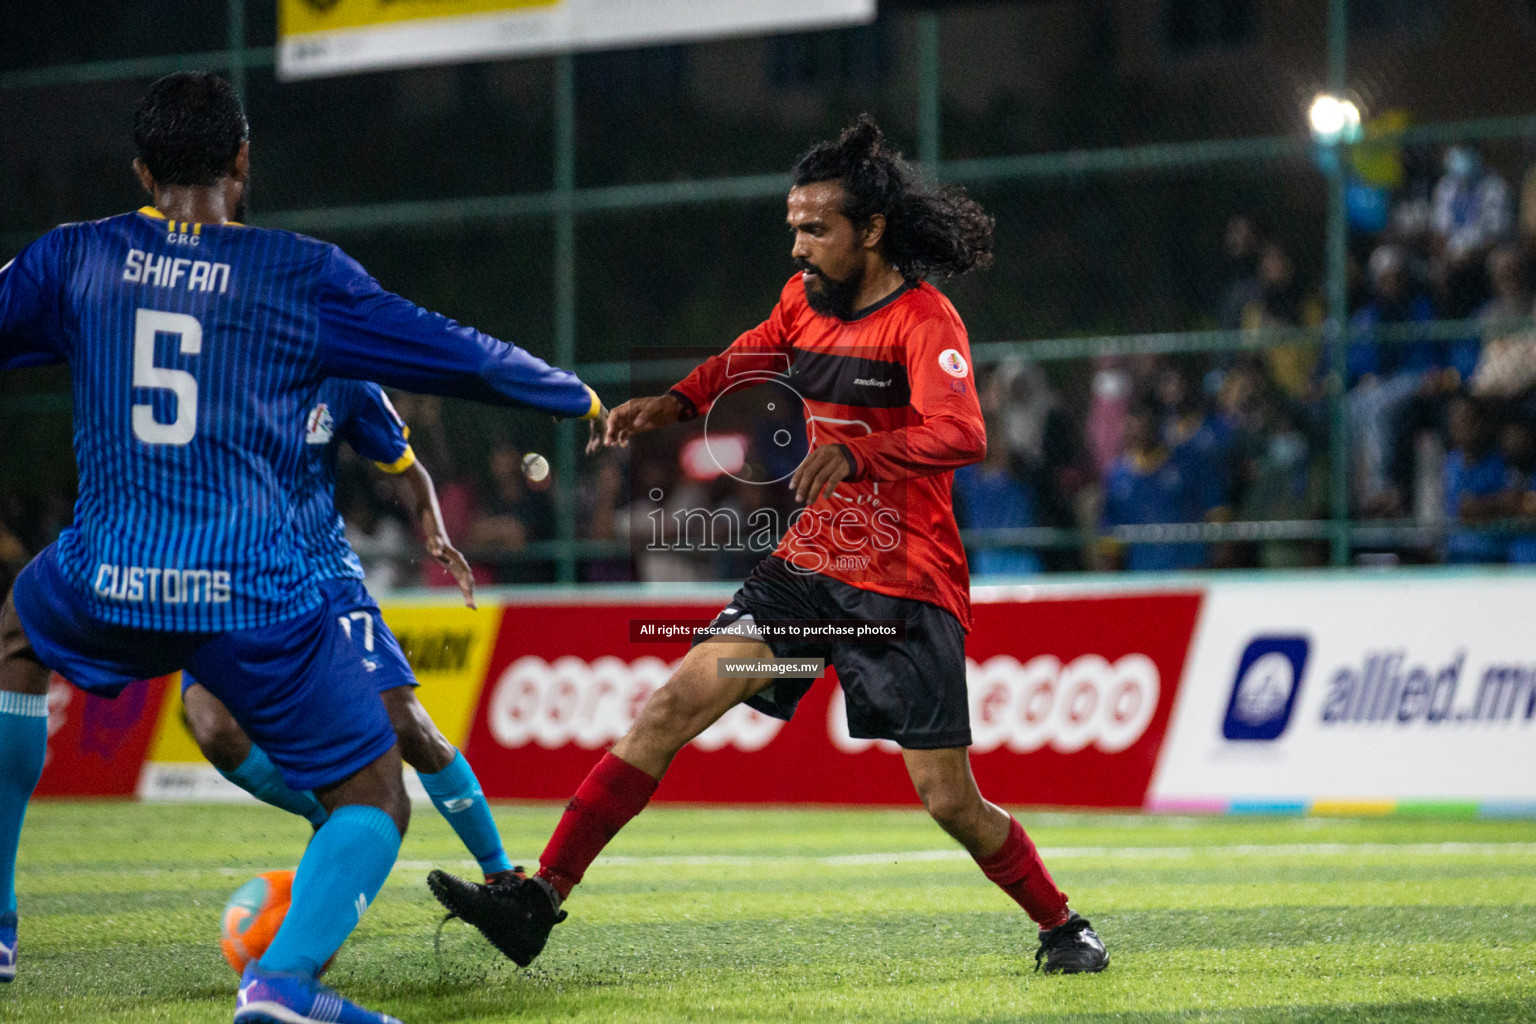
[[1326, 693], [1357, 693], [329, 37], [1069, 701]]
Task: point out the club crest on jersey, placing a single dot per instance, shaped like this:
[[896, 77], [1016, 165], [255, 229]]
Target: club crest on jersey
[[320, 427], [952, 362]]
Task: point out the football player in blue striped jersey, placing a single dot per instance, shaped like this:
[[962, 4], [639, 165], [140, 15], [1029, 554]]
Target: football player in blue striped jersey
[[195, 345]]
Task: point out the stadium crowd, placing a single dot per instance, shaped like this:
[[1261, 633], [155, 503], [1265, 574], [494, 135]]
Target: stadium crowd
[[1442, 430]]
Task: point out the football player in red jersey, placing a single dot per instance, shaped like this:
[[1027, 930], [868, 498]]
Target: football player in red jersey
[[881, 362]]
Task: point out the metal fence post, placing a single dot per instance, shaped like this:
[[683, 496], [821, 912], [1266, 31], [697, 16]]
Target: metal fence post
[[236, 15], [928, 91], [1336, 328], [565, 304]]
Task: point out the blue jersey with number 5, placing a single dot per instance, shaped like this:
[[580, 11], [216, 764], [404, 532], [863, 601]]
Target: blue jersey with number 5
[[195, 353]]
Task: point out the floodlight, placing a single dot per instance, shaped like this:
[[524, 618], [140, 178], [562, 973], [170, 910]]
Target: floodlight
[[1334, 119]]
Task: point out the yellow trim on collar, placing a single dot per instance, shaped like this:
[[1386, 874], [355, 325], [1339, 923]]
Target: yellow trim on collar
[[400, 465], [195, 228]]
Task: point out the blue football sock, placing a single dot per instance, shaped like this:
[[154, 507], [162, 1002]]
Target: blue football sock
[[456, 793], [23, 746], [258, 776], [342, 871]]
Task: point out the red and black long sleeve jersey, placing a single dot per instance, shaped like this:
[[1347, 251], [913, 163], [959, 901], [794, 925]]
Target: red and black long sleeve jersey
[[895, 388]]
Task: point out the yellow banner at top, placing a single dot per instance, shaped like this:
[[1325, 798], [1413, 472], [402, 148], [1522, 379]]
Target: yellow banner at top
[[328, 37], [296, 17]]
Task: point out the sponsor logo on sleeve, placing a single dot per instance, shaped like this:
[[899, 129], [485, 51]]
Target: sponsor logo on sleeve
[[320, 427], [953, 363]]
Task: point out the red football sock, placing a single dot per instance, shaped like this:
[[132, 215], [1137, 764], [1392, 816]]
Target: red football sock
[[612, 793], [1018, 870]]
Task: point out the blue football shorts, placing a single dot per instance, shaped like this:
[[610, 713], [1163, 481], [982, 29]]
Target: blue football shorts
[[304, 689], [358, 614]]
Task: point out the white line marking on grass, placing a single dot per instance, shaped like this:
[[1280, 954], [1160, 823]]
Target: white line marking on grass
[[1254, 850]]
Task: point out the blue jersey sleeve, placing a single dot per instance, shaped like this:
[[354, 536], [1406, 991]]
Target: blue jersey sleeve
[[31, 305], [375, 430], [367, 333]]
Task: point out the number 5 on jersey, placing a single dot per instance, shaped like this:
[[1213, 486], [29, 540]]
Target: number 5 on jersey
[[147, 324]]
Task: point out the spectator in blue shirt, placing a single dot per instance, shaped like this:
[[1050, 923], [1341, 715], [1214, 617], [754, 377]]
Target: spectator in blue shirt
[[1146, 485], [1477, 484], [1395, 299], [1199, 443], [1517, 443], [1003, 490], [990, 495], [1385, 377]]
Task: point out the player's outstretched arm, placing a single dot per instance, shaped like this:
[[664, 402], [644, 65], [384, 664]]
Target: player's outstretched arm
[[639, 415], [30, 322], [950, 431], [430, 515], [764, 351], [367, 333]]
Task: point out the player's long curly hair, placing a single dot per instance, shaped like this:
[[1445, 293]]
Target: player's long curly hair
[[930, 230]]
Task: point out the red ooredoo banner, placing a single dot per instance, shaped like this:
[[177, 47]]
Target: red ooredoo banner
[[1070, 699]]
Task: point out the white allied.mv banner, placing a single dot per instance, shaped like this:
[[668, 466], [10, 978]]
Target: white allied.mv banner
[[1373, 690]]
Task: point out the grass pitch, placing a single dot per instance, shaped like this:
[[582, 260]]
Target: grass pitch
[[751, 915]]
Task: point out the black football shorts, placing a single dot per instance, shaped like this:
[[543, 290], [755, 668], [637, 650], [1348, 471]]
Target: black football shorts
[[910, 690]]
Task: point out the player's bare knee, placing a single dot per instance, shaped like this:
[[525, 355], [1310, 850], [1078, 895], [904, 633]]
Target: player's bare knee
[[425, 749], [215, 730], [377, 784], [400, 810], [226, 747], [949, 797], [20, 669], [948, 805], [393, 801], [422, 744]]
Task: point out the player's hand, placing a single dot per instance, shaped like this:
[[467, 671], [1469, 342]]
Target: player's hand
[[597, 429], [448, 556], [638, 415], [820, 473]]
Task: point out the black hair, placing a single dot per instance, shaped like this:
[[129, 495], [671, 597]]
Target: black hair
[[188, 128], [929, 229]]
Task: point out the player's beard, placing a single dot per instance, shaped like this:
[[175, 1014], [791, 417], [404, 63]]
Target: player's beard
[[834, 297]]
